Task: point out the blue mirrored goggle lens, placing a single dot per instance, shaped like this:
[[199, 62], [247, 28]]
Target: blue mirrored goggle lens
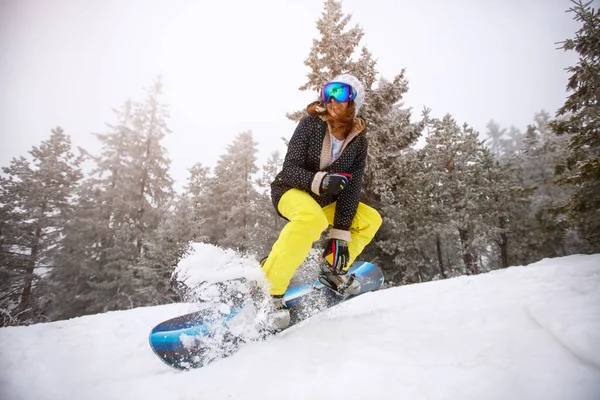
[[341, 92]]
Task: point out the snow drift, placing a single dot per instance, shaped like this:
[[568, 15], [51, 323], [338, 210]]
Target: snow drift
[[524, 333]]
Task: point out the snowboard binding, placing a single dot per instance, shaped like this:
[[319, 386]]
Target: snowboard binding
[[343, 284]]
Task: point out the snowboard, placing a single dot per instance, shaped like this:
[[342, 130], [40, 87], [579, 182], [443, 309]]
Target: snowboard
[[196, 339]]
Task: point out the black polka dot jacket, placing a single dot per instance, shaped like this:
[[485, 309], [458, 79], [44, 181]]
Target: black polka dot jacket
[[308, 160]]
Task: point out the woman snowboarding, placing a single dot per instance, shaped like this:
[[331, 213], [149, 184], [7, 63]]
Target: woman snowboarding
[[319, 186]]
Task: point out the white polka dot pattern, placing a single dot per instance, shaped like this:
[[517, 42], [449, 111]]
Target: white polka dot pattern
[[302, 162]]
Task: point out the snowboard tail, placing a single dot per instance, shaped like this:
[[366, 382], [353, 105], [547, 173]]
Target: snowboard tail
[[194, 340]]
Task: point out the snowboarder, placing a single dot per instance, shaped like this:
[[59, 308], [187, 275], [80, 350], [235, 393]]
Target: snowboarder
[[320, 185]]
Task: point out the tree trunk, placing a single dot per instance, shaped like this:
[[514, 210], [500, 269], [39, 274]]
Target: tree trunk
[[143, 189], [503, 243], [438, 247], [469, 256], [29, 268], [246, 207], [504, 250]]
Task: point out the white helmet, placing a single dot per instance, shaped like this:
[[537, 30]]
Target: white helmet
[[355, 83]]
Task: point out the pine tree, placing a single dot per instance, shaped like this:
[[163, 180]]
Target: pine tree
[[409, 222], [389, 131], [154, 185], [14, 237], [527, 164], [543, 150], [435, 206], [197, 201], [332, 54], [36, 202], [233, 196], [579, 118], [121, 207], [152, 201], [495, 135], [453, 156], [531, 141], [163, 250], [505, 205], [513, 142], [100, 240]]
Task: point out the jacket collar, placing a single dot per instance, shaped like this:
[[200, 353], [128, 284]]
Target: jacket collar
[[326, 160]]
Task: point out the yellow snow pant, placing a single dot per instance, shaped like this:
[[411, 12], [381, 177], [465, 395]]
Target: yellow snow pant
[[307, 220]]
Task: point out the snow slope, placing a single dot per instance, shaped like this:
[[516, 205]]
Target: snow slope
[[524, 333]]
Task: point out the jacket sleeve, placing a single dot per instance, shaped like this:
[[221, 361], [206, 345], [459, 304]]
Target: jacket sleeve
[[294, 172], [348, 200]]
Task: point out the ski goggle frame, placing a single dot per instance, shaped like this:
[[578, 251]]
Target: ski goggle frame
[[339, 91]]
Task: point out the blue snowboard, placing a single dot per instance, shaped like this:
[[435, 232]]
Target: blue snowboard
[[194, 340]]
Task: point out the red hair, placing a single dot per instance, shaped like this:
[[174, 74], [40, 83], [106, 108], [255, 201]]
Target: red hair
[[339, 124]]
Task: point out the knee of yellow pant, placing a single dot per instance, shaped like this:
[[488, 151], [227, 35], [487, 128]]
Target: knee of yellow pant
[[315, 220], [375, 222]]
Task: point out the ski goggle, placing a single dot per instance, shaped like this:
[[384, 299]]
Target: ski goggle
[[339, 91]]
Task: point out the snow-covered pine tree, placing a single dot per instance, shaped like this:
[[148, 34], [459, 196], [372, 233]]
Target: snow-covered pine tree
[[579, 119], [495, 137], [389, 131], [530, 159], [531, 140], [411, 220], [163, 249], [185, 221], [197, 199], [231, 212], [542, 151], [505, 212], [453, 164], [120, 208], [154, 184], [100, 238], [86, 235], [36, 200], [333, 53], [153, 196], [512, 142], [434, 206], [14, 240], [11, 265]]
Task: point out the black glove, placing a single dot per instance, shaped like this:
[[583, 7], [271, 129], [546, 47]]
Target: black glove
[[341, 256], [334, 183]]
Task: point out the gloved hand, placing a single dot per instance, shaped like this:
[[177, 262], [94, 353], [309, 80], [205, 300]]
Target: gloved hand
[[334, 183], [339, 249]]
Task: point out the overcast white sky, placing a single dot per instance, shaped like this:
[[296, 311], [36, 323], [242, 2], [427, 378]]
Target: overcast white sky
[[232, 66]]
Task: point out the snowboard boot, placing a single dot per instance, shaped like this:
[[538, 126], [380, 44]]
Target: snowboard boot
[[344, 284], [278, 317]]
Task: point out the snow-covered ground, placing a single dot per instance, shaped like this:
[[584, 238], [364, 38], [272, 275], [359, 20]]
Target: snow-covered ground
[[524, 333]]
